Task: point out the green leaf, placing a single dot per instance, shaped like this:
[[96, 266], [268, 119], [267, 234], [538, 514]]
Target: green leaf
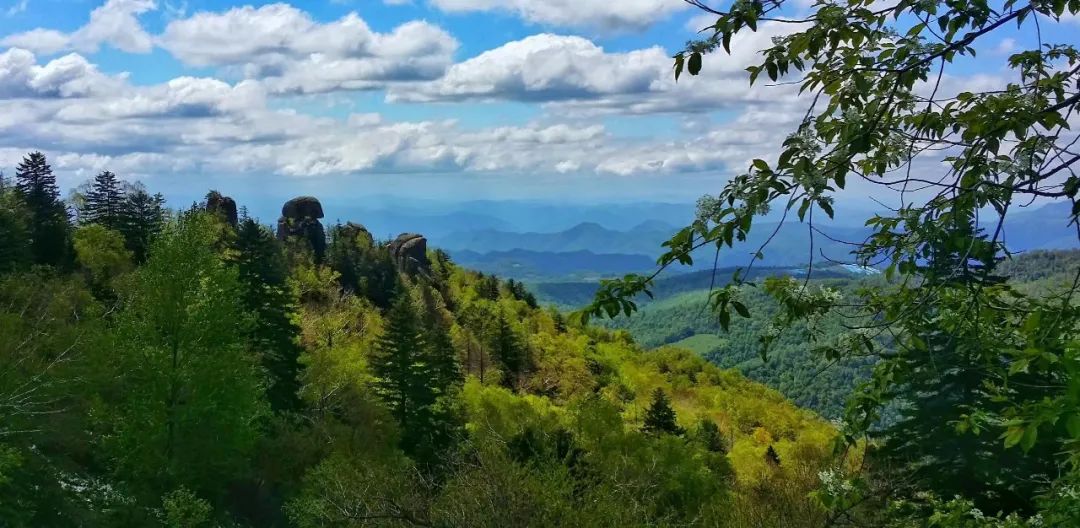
[[741, 309], [694, 65]]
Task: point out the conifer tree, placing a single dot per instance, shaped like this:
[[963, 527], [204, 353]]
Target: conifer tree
[[143, 219], [508, 350], [263, 274], [409, 384], [14, 233], [105, 203], [660, 417], [50, 241]]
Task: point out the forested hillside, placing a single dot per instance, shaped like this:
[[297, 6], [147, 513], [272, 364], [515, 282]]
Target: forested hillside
[[195, 368], [680, 316]]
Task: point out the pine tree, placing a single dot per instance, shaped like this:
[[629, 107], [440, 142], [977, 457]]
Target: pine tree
[[772, 457], [708, 433], [508, 350], [660, 417], [14, 232], [409, 384], [50, 240], [263, 274], [143, 219], [105, 203]]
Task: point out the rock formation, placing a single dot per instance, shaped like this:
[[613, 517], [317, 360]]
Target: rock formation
[[300, 218], [410, 252], [222, 205], [357, 233]]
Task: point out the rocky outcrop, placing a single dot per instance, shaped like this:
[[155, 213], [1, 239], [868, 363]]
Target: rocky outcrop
[[300, 218], [410, 252], [357, 233], [302, 207], [222, 205]]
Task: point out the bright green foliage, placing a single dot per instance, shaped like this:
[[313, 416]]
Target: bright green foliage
[[183, 509], [186, 409], [950, 342], [101, 253], [47, 222], [105, 202], [263, 273], [660, 417]]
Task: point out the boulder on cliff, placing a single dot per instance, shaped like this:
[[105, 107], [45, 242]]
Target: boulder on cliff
[[222, 205], [410, 252], [302, 207], [300, 218]]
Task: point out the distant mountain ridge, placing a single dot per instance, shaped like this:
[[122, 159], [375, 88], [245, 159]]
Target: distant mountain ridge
[[524, 264]]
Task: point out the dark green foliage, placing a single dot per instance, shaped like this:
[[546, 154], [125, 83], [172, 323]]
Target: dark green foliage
[[14, 232], [105, 203], [144, 218], [708, 433], [367, 270], [50, 240], [508, 350], [408, 383], [660, 417], [263, 272], [772, 457], [520, 292], [488, 287]]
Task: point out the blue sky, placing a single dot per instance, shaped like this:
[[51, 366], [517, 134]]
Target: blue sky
[[437, 99]]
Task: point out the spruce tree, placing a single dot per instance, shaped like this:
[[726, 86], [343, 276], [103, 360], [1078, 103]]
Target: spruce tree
[[50, 241], [144, 217], [105, 202], [263, 273], [660, 417], [408, 383], [508, 350], [14, 231]]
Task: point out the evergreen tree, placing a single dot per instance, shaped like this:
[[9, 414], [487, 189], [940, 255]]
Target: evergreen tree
[[508, 350], [105, 203], [660, 417], [487, 287], [50, 241], [143, 219], [366, 270], [708, 433], [263, 274], [772, 457], [409, 383], [14, 232]]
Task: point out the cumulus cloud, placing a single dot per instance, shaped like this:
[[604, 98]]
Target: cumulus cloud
[[601, 14], [574, 73], [115, 23], [295, 54], [69, 76]]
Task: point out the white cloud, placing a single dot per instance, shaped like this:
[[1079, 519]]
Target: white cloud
[[602, 14], [575, 74], [69, 76], [295, 54], [115, 23]]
